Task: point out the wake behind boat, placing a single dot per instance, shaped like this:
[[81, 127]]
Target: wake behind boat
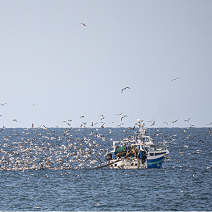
[[137, 153]]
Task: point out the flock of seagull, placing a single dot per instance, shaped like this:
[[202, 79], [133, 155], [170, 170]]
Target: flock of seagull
[[69, 148], [44, 148]]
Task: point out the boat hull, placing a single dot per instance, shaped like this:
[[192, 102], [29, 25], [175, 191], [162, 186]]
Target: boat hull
[[127, 164], [157, 159], [155, 162], [133, 163]]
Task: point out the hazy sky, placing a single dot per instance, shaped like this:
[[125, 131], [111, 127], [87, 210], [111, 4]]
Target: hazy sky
[[67, 70]]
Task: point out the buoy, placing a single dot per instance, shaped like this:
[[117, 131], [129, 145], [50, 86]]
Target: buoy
[[167, 157]]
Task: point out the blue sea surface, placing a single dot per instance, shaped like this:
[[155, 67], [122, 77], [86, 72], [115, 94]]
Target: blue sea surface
[[65, 178]]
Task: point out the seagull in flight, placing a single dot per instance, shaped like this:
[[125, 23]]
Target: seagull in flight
[[124, 89], [119, 114], [83, 24], [152, 123], [134, 113], [176, 79], [174, 121], [123, 117]]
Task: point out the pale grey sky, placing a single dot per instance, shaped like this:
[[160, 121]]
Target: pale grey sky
[[49, 59]]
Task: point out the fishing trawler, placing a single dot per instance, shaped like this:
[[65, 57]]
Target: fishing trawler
[[137, 153]]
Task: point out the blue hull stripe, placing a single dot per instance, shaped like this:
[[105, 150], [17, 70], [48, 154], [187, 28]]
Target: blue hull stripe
[[155, 163]]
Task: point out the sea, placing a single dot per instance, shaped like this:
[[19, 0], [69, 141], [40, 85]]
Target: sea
[[54, 169]]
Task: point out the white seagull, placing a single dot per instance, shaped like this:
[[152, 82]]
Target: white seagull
[[124, 89]]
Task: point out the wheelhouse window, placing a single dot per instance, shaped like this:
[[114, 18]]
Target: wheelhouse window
[[160, 153]]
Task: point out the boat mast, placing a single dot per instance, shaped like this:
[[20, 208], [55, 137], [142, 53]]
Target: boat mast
[[140, 127], [141, 134]]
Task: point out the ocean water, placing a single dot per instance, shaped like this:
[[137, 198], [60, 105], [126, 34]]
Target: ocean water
[[53, 169]]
